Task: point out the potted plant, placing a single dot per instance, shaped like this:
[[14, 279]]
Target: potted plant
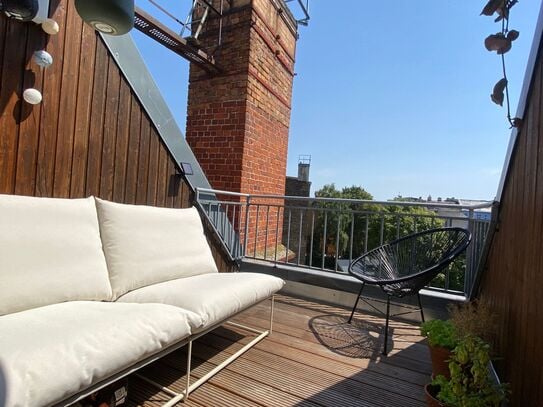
[[442, 339], [475, 318], [470, 383]]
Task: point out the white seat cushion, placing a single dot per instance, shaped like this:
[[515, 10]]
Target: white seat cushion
[[214, 297], [50, 353], [145, 245], [50, 251]]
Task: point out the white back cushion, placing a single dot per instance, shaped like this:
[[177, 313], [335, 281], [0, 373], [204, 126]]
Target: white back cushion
[[50, 252], [145, 245]]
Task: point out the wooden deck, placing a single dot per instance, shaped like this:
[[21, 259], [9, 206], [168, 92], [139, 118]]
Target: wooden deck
[[312, 358]]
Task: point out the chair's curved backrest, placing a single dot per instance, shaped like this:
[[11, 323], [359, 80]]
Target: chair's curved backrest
[[407, 264]]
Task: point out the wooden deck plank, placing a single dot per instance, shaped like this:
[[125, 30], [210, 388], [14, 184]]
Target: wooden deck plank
[[343, 387], [358, 362], [250, 388], [415, 354], [294, 366]]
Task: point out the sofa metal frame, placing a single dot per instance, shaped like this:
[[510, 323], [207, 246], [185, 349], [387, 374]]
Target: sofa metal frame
[[190, 387]]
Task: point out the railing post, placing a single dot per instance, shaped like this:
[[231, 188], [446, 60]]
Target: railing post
[[469, 255], [300, 230], [351, 238], [324, 240], [246, 237], [337, 238], [277, 234], [287, 249], [256, 229]]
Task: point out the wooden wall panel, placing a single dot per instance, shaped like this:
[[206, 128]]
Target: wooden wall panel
[[513, 279], [90, 135]]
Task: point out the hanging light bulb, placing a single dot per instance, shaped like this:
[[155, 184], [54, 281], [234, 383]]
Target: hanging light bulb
[[32, 96], [43, 58], [50, 26], [114, 17]]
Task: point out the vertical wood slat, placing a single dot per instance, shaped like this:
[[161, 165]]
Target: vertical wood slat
[[45, 170], [25, 180], [83, 112], [68, 102], [153, 168], [121, 149], [110, 131], [143, 160], [172, 184], [535, 349], [3, 28], [94, 158], [180, 196], [162, 177], [10, 104], [133, 153]]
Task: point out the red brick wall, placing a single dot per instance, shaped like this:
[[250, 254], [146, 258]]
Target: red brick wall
[[238, 121]]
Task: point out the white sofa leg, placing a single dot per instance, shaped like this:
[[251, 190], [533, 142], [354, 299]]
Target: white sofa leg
[[271, 313], [185, 395], [189, 358]]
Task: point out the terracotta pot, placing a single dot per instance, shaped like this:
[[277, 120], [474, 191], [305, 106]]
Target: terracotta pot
[[440, 364], [431, 394]]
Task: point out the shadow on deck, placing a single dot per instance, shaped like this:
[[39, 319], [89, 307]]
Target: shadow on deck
[[312, 358]]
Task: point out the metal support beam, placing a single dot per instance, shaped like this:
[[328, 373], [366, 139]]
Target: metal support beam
[[154, 29]]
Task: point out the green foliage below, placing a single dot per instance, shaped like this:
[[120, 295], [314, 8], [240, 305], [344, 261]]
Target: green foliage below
[[440, 333], [470, 384]]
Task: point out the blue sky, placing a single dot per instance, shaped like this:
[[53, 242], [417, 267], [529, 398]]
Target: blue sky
[[390, 95]]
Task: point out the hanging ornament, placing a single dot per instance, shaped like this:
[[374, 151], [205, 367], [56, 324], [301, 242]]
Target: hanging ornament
[[43, 58], [22, 10], [50, 26], [113, 17], [32, 96]]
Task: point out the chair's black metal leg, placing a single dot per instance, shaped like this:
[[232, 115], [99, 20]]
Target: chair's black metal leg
[[386, 326], [420, 306], [356, 302]]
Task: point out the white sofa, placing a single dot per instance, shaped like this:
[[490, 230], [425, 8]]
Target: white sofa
[[92, 290]]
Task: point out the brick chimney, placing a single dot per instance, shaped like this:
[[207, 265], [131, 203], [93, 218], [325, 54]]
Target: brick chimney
[[238, 120]]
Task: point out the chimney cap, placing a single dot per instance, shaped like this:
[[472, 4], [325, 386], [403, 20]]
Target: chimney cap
[[304, 159], [304, 162]]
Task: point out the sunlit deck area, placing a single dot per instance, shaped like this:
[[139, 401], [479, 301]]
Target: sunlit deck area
[[312, 358]]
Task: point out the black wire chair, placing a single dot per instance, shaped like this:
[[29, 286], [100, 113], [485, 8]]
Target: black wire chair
[[403, 267]]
